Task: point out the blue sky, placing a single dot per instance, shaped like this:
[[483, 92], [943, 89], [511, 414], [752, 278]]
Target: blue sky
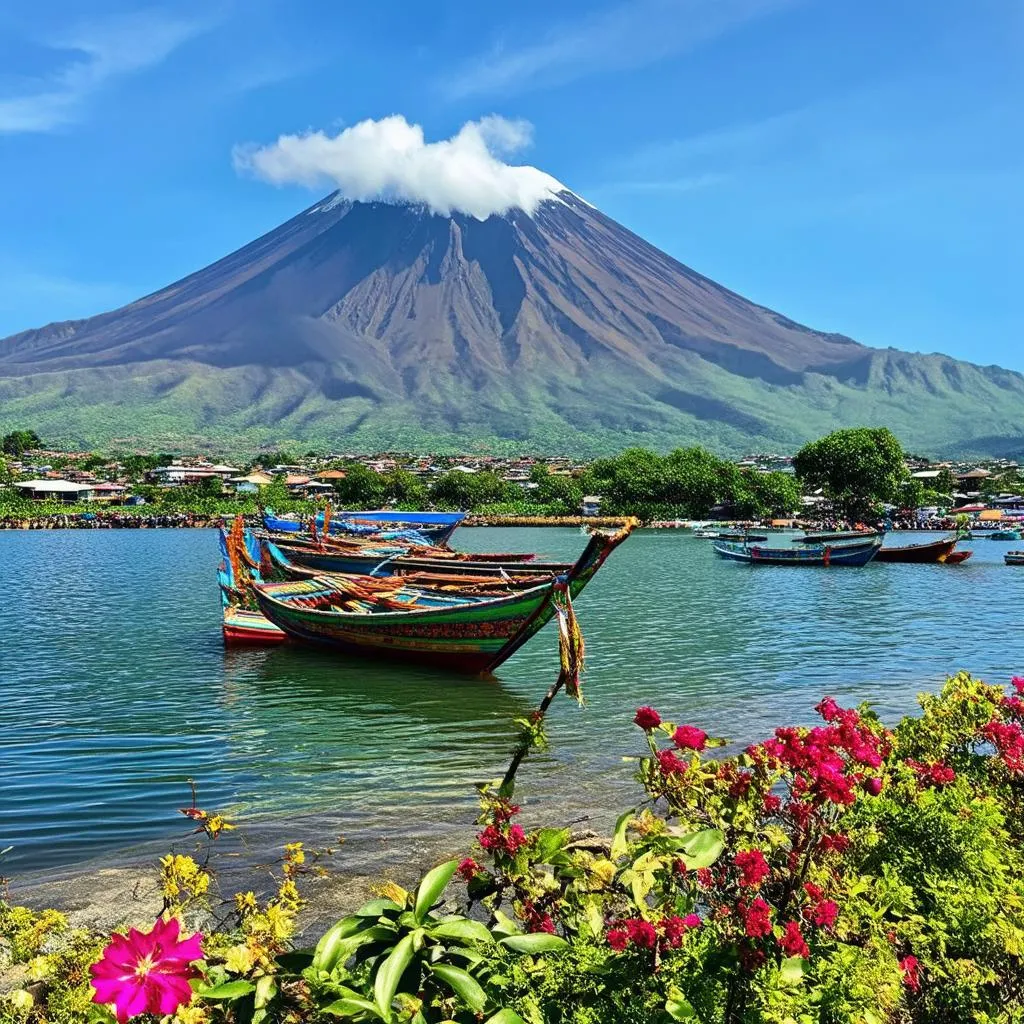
[[855, 164]]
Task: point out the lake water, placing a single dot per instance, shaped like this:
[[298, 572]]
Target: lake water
[[116, 687]]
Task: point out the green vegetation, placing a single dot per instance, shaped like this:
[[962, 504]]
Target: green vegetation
[[18, 442], [846, 874], [858, 469]]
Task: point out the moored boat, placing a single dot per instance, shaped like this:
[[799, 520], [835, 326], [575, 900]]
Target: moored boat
[[436, 527], [855, 554], [928, 552], [468, 633], [1004, 535], [1014, 558], [826, 537]]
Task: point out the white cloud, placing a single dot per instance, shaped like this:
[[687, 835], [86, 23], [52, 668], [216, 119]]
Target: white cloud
[[390, 159], [632, 34], [102, 52]]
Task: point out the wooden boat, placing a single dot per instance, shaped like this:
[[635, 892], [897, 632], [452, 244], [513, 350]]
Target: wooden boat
[[929, 552], [832, 538], [819, 555], [395, 561], [467, 633], [386, 545], [248, 559], [435, 527], [743, 538], [1014, 558], [1004, 535]]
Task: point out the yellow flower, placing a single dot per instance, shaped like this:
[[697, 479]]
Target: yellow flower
[[239, 959], [245, 903], [20, 1001], [602, 872], [191, 1015]]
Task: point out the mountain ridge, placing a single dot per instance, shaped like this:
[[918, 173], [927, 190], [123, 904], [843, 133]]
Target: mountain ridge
[[382, 325]]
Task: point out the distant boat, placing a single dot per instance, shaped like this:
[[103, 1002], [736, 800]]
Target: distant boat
[[830, 538], [1004, 535], [932, 551], [818, 555], [1014, 558]]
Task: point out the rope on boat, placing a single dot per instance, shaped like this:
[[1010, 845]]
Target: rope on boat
[[571, 649]]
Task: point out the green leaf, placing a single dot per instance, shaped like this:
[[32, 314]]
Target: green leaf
[[463, 930], [791, 971], [463, 984], [266, 989], [619, 842], [434, 883], [504, 925], [352, 1006], [377, 908], [390, 972], [702, 849], [549, 842], [229, 990], [325, 956], [295, 961], [678, 1007], [535, 942], [505, 1016]]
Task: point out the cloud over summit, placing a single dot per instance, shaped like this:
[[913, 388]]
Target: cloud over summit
[[390, 159]]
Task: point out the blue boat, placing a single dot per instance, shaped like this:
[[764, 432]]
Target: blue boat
[[434, 527], [826, 555]]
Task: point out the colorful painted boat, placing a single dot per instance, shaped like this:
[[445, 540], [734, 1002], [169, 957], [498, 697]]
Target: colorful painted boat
[[435, 527], [817, 555], [243, 623], [396, 561], [929, 552], [466, 633], [956, 557]]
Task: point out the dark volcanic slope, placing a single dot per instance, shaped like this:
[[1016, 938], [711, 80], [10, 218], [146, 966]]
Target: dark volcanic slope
[[373, 324]]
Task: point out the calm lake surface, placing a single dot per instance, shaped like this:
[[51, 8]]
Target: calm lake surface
[[117, 689]]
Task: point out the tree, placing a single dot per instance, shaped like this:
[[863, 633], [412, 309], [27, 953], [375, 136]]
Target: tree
[[210, 487], [758, 495], [18, 442], [856, 469], [403, 488], [362, 488], [467, 491], [275, 495]]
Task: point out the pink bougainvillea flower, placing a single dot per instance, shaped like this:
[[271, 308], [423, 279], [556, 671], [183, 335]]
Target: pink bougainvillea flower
[[468, 868], [753, 868], [617, 939], [669, 763], [147, 972], [689, 737], [824, 915], [647, 718], [873, 786], [641, 933], [792, 941], [1017, 682], [757, 918], [911, 973]]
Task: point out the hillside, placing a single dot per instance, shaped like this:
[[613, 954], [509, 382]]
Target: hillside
[[376, 325]]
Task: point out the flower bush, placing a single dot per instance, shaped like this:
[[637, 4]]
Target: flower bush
[[845, 872]]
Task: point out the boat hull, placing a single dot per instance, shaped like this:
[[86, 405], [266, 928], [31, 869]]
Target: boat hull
[[357, 564], [850, 555], [938, 551], [437, 527], [245, 628]]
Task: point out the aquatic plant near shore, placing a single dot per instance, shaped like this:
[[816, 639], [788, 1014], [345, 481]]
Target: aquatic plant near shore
[[837, 874]]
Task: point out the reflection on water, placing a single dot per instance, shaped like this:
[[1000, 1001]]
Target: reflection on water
[[117, 688]]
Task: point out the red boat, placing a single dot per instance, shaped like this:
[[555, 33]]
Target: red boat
[[932, 551]]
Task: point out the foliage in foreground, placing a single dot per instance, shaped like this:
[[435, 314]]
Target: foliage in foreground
[[842, 873]]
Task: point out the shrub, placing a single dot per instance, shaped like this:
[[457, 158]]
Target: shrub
[[842, 873]]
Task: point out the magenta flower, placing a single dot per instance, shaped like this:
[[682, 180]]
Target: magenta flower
[[689, 737], [647, 718], [147, 973]]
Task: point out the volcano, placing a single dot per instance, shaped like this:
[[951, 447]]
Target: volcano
[[375, 325]]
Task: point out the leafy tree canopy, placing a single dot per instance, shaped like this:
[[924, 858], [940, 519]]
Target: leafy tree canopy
[[855, 468], [18, 442]]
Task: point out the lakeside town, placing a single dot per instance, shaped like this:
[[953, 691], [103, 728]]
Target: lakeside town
[[40, 484]]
